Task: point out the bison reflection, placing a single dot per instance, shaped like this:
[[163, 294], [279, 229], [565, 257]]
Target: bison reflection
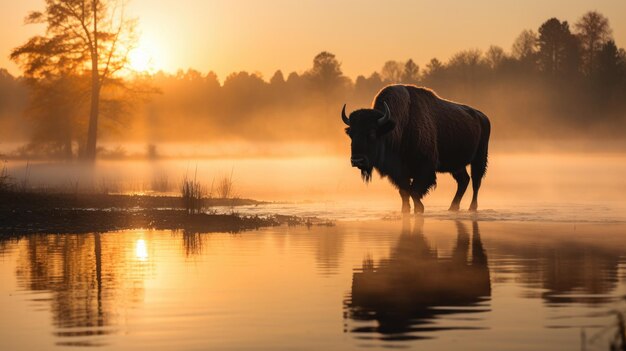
[[405, 292]]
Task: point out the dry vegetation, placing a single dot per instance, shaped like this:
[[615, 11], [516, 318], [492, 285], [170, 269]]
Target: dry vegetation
[[225, 187], [192, 193], [161, 183], [5, 179]]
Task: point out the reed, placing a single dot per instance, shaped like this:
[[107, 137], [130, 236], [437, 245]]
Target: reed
[[192, 193]]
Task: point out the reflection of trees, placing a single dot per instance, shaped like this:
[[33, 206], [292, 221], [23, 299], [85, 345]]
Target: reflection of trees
[[329, 247], [401, 291], [88, 277], [567, 272], [575, 269]]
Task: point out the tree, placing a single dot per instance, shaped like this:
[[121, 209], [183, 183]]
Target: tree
[[392, 71], [365, 88], [54, 111], [558, 48], [80, 34], [594, 31], [277, 79], [411, 72], [13, 101], [434, 73], [434, 66], [494, 56], [525, 46], [611, 65], [326, 73]]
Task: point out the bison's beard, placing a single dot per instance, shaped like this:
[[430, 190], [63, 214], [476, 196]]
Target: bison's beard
[[366, 174]]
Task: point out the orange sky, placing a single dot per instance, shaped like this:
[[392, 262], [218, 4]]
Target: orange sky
[[263, 36]]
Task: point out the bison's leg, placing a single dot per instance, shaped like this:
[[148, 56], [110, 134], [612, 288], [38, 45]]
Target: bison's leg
[[479, 166], [417, 202], [406, 205], [476, 186], [462, 180], [420, 186]]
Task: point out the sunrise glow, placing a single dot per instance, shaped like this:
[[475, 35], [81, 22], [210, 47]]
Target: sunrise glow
[[312, 175], [144, 58]]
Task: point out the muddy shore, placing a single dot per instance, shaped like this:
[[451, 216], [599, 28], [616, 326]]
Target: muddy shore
[[29, 213]]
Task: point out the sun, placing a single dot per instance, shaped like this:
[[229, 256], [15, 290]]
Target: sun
[[143, 58]]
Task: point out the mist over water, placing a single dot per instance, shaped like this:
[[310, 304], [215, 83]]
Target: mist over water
[[518, 186]]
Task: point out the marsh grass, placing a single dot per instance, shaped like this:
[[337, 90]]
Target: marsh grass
[[226, 187], [6, 183], [108, 186], [161, 183], [25, 182], [192, 193]]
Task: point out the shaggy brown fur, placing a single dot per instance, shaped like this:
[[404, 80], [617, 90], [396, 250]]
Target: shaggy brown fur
[[427, 134]]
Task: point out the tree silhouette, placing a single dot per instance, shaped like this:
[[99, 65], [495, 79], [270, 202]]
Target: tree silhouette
[[410, 73], [537, 85], [326, 74], [525, 46], [55, 108], [277, 79], [392, 71], [434, 66], [365, 88], [593, 30], [610, 70], [494, 56], [557, 48], [326, 80], [79, 34]]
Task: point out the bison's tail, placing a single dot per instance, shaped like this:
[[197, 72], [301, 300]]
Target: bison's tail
[[479, 164]]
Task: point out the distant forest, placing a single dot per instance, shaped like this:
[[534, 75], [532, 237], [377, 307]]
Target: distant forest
[[557, 82]]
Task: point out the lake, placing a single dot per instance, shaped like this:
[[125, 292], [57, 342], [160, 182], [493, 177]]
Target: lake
[[429, 283], [541, 266]]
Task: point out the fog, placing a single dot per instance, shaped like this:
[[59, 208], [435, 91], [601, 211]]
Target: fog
[[531, 99], [524, 185]]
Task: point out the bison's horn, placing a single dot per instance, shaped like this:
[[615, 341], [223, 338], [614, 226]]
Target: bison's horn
[[382, 120], [343, 115]]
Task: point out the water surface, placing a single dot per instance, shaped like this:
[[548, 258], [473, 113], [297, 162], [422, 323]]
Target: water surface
[[433, 284]]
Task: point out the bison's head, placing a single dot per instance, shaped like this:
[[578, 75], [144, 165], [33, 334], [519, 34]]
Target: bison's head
[[367, 128]]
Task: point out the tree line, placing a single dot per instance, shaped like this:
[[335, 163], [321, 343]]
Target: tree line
[[558, 81]]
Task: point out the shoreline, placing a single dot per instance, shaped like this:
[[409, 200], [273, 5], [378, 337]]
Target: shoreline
[[23, 213]]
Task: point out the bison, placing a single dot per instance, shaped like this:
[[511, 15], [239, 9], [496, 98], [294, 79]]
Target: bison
[[410, 134]]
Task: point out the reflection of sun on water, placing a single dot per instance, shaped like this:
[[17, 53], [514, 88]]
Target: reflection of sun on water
[[141, 251]]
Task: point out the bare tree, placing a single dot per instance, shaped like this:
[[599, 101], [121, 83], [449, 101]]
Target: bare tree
[[82, 36], [392, 71], [494, 56], [525, 46], [594, 31]]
